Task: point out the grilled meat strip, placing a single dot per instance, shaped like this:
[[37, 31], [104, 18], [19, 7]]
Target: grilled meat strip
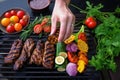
[[25, 54], [37, 55], [49, 55], [14, 52]]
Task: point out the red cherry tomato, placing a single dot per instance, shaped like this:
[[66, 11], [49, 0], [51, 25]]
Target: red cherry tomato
[[89, 19], [7, 15], [10, 28], [92, 24], [13, 12], [47, 29], [82, 36], [23, 22], [20, 13], [25, 17], [38, 28]]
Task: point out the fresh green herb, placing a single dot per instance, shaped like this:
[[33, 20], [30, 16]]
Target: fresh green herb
[[107, 36], [26, 33]]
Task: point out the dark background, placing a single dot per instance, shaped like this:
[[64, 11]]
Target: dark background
[[109, 5]]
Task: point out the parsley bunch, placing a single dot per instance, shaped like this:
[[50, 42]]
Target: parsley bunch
[[107, 35]]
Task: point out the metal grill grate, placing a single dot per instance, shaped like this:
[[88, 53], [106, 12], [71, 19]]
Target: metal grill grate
[[30, 72]]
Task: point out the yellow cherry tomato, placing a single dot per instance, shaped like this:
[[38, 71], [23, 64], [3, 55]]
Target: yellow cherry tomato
[[5, 22]]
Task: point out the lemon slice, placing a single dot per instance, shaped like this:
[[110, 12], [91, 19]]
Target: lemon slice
[[59, 60], [63, 54]]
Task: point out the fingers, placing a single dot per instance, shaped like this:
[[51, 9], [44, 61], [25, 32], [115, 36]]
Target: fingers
[[63, 28], [53, 27], [70, 26]]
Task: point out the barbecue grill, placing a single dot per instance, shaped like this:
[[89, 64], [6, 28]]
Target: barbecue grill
[[30, 72]]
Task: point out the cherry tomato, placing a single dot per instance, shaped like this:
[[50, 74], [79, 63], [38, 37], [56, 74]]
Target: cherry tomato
[[25, 18], [92, 24], [10, 28], [18, 27], [47, 29], [7, 15], [82, 36], [13, 12], [89, 19], [38, 28], [23, 22], [20, 13], [14, 19], [5, 22]]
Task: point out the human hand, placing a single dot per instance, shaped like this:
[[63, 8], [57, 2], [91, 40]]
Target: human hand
[[63, 15]]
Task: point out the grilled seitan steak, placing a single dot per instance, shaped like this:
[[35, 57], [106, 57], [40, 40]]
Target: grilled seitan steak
[[25, 54], [14, 52], [37, 55], [49, 55]]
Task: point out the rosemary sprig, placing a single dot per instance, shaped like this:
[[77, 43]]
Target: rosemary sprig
[[26, 33]]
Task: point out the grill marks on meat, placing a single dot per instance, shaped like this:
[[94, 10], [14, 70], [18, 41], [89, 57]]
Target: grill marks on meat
[[14, 51], [25, 54], [43, 54], [49, 55], [37, 55]]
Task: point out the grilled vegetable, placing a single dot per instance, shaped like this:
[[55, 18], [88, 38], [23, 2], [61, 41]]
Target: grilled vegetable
[[61, 48], [81, 66], [82, 45], [82, 36], [70, 39], [64, 54], [71, 69], [72, 57], [78, 33], [59, 60], [83, 57], [72, 47]]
